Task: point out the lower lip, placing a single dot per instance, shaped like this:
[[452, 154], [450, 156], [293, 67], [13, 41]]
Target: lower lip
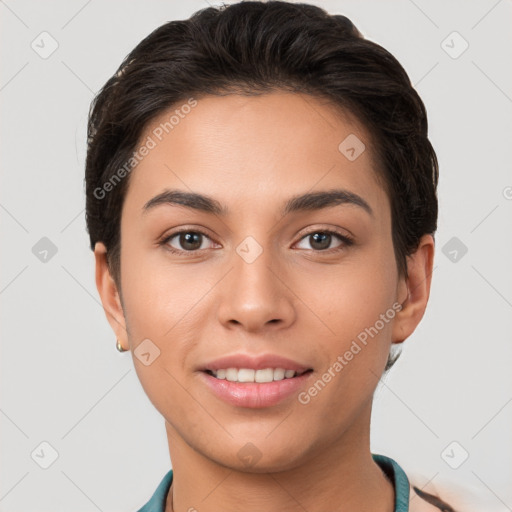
[[255, 395]]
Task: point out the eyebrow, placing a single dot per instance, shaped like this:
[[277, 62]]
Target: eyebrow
[[304, 202]]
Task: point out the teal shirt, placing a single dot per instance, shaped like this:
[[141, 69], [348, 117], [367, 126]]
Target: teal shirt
[[395, 473]]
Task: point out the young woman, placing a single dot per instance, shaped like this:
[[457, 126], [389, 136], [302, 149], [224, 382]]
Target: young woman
[[261, 202]]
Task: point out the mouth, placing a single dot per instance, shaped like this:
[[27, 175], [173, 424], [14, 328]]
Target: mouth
[[260, 376], [255, 381], [251, 388]]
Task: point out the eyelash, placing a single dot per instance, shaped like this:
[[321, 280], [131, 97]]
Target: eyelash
[[346, 240]]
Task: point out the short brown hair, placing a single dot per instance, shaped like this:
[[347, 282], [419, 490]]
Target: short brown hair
[[251, 48]]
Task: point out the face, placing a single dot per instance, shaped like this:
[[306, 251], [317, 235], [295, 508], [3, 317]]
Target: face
[[269, 283]]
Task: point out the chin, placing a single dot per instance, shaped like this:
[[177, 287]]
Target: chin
[[258, 456]]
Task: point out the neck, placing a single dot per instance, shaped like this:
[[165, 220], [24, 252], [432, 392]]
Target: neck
[[342, 477]]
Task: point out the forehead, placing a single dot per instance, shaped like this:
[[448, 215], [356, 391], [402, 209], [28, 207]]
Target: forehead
[[254, 150]]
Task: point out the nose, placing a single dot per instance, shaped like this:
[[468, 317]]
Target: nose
[[256, 295]]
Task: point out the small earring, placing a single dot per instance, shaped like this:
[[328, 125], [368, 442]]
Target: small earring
[[119, 346]]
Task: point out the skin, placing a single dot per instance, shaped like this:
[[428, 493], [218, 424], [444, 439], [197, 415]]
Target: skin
[[252, 154]]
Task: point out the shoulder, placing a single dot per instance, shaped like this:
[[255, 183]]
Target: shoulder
[[415, 492], [435, 495], [158, 499]]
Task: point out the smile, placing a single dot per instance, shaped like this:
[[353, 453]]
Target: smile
[[250, 375]]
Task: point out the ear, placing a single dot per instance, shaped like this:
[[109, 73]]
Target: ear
[[414, 290], [109, 295]]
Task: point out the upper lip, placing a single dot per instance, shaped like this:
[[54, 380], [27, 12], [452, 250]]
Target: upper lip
[[254, 362]]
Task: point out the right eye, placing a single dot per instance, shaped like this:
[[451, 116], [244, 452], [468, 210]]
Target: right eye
[[190, 240]]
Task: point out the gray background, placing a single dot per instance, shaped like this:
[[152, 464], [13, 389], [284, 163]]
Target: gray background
[[63, 382]]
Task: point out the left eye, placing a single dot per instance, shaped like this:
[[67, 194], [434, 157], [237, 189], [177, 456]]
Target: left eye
[[321, 240]]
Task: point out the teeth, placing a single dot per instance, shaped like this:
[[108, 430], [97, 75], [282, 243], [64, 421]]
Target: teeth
[[232, 374], [250, 375], [266, 375], [245, 375]]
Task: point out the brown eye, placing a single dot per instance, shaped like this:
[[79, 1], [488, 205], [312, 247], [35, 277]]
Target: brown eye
[[185, 241], [322, 240], [190, 241]]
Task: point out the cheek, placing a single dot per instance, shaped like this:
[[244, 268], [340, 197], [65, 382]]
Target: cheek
[[355, 301], [351, 296], [169, 305], [162, 304], [159, 297]]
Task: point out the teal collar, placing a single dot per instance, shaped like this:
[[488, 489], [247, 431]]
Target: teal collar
[[399, 479], [390, 467]]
